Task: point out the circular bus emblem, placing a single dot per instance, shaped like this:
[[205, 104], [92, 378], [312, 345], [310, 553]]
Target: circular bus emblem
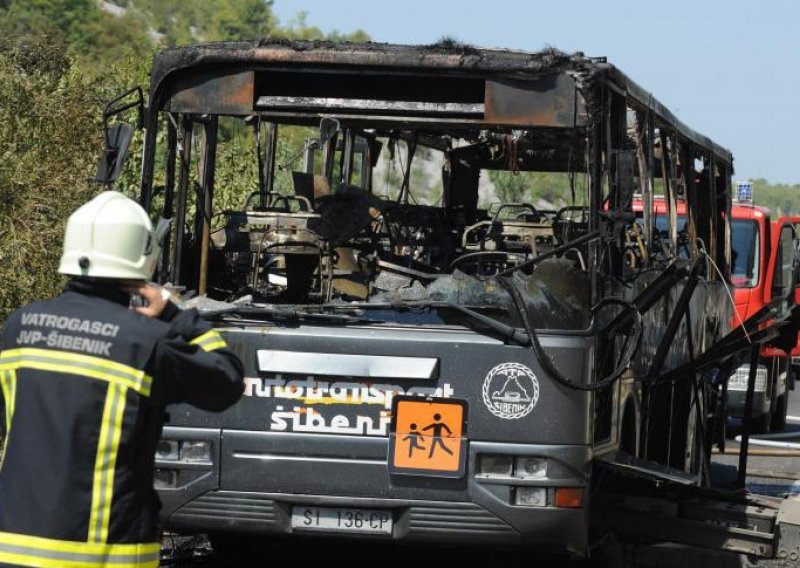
[[510, 391]]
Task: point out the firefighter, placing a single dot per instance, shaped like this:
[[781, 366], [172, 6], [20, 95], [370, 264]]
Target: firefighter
[[85, 379]]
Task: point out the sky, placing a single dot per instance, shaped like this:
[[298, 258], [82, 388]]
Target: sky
[[728, 69]]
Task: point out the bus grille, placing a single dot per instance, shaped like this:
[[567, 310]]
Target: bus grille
[[230, 507], [426, 522], [461, 518]]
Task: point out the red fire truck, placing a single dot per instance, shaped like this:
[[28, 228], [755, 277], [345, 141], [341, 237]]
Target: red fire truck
[[762, 254]]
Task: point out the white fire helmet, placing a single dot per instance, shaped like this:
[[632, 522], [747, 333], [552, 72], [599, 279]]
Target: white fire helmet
[[111, 236]]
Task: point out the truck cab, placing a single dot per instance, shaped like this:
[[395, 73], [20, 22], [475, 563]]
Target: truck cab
[[754, 243], [761, 258]]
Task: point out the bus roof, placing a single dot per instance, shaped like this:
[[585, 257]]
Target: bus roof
[[233, 66]]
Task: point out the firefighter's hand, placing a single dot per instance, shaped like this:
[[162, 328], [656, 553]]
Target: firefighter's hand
[[153, 296]]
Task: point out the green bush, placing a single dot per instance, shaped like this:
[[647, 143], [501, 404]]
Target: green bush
[[49, 140], [60, 61]]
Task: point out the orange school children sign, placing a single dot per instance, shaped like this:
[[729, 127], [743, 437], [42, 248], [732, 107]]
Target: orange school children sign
[[428, 437]]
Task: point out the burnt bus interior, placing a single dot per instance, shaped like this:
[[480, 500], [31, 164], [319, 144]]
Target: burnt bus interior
[[294, 243], [318, 221]]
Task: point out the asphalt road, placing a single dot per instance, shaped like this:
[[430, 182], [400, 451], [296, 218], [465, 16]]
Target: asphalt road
[[353, 553], [196, 552], [725, 465]]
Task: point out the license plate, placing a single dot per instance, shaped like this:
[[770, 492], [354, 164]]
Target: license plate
[[369, 521]]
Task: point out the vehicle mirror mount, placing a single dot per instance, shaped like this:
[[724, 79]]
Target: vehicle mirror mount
[[118, 139], [119, 135], [328, 128]]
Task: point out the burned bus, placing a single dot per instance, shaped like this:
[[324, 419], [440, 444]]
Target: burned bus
[[431, 353]]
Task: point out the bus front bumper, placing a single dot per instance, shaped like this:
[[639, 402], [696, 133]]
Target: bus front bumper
[[503, 499], [440, 522]]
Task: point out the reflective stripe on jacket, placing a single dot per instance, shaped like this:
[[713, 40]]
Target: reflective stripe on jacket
[[85, 381]]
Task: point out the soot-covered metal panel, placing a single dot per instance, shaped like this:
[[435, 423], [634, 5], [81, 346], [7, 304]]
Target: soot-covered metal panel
[[225, 93], [547, 101]]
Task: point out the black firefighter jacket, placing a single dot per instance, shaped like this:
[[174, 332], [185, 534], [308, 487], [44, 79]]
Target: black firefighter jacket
[[85, 381]]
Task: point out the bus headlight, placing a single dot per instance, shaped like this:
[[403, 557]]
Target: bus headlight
[[167, 450], [530, 468], [195, 451], [495, 465], [531, 496], [165, 478]]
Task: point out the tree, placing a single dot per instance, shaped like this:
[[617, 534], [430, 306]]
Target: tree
[[510, 187], [298, 28], [100, 33], [781, 199], [49, 139], [88, 32], [60, 61], [530, 187]]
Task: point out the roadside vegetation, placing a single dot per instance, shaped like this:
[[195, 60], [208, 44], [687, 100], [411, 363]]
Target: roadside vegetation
[[60, 61], [781, 198]]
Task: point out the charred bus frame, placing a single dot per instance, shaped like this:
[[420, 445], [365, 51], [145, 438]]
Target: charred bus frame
[[620, 377]]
